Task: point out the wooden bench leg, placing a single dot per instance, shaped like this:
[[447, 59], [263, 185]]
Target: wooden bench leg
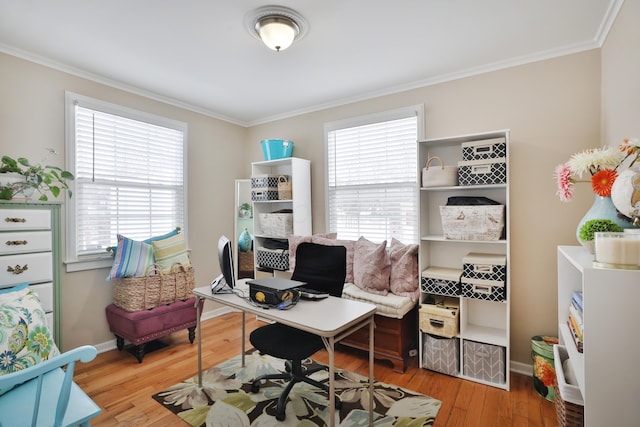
[[119, 342], [399, 366], [192, 334], [140, 352]]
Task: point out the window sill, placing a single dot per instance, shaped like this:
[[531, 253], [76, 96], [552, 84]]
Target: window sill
[[89, 264]]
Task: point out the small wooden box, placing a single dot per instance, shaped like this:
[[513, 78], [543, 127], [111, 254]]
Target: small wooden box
[[442, 318]]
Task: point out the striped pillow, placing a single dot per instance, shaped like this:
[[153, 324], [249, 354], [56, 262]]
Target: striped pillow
[[132, 258], [171, 251], [114, 249]]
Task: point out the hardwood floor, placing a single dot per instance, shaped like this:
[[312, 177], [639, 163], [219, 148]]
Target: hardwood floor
[[123, 388]]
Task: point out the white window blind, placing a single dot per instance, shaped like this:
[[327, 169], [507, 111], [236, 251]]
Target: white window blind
[[129, 179], [372, 179]]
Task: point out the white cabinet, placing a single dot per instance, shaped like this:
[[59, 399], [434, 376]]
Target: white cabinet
[[30, 252], [484, 324], [607, 370], [296, 220]]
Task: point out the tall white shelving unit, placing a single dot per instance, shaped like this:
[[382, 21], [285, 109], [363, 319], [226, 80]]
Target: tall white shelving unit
[[299, 172], [481, 321], [607, 370]]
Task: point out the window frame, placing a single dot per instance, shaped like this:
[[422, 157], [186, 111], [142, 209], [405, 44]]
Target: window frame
[[73, 261], [389, 115]]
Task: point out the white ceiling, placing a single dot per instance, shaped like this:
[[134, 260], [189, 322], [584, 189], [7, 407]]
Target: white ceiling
[[197, 53]]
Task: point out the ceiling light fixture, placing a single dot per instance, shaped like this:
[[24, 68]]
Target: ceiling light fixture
[[276, 26]]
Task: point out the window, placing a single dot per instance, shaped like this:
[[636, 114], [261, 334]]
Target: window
[[129, 178], [372, 176]]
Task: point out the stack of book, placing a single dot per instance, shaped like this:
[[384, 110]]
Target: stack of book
[[575, 320]]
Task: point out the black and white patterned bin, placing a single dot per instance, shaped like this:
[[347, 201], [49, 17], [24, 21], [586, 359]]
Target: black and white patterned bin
[[441, 281], [482, 172], [484, 149]]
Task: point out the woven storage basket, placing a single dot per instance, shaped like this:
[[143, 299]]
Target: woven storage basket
[[568, 398], [146, 292], [183, 280], [245, 261], [284, 188], [569, 414]]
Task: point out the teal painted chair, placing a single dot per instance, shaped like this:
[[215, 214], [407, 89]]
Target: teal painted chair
[[45, 394]]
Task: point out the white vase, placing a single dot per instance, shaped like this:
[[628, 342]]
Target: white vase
[[625, 193], [17, 184]]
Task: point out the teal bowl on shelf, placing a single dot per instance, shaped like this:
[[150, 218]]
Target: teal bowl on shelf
[[274, 149]]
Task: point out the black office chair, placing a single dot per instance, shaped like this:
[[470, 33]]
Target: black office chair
[[322, 268]]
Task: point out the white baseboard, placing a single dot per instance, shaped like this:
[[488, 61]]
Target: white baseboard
[[521, 368]]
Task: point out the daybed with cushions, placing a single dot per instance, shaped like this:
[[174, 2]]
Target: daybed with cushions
[[387, 278]]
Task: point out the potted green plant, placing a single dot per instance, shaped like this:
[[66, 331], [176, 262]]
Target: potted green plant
[[245, 210], [22, 179], [589, 228]]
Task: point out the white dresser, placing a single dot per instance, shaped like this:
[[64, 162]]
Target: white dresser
[[30, 252]]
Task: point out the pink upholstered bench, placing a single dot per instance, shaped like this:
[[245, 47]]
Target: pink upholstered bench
[[140, 327]]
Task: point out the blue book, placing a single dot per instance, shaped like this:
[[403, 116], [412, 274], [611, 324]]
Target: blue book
[[577, 299]]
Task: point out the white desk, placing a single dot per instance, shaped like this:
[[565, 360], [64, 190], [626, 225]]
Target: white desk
[[331, 318]]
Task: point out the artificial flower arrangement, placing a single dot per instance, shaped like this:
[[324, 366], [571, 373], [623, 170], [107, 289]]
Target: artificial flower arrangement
[[601, 163]]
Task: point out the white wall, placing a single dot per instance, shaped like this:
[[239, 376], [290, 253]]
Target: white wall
[[620, 82]]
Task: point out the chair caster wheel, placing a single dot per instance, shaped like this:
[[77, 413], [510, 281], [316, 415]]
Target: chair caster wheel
[[255, 387]]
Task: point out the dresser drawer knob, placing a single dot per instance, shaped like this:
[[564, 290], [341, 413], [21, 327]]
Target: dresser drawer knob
[[16, 242], [10, 219], [17, 269]]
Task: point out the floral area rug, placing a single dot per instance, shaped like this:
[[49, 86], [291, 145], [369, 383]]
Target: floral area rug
[[225, 399]]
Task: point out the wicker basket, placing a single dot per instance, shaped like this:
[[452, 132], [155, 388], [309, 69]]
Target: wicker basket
[[569, 401], [145, 292], [569, 414], [245, 261], [284, 188]]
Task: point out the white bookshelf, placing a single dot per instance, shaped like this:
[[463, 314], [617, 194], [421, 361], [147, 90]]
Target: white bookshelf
[[486, 322], [607, 371], [299, 173]]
